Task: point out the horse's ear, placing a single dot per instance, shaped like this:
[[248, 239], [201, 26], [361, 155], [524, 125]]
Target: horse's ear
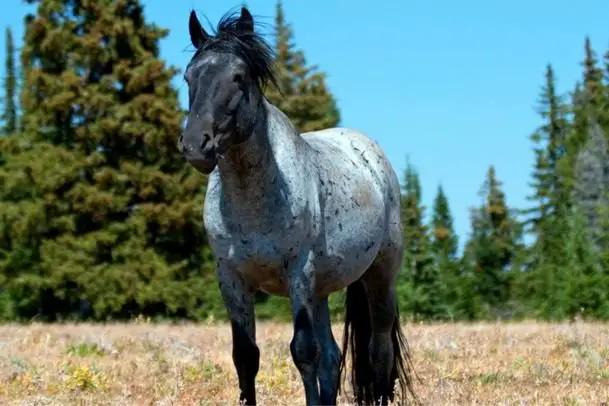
[[246, 21], [198, 36]]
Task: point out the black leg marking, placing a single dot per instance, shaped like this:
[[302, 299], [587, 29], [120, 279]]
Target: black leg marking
[[239, 301], [329, 359]]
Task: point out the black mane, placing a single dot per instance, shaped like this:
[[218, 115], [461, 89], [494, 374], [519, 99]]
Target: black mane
[[249, 46]]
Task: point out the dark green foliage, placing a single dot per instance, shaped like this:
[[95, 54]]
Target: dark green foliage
[[568, 278], [101, 216], [444, 240], [492, 247], [550, 147], [444, 244], [9, 114], [417, 288], [593, 76]]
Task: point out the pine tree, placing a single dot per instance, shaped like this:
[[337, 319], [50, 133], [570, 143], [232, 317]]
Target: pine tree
[[9, 116], [579, 126], [552, 181], [588, 102], [588, 284], [593, 78], [444, 240], [550, 140], [444, 246], [571, 281], [591, 180], [101, 214], [419, 281], [305, 97], [544, 289], [493, 245]]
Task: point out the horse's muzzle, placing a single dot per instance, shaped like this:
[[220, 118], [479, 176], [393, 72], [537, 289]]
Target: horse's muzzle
[[203, 160], [202, 163]]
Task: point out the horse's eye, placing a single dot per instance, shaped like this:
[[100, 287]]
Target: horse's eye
[[238, 78], [234, 103]]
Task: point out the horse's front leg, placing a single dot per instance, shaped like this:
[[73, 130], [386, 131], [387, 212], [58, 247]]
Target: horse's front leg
[[330, 357], [304, 346], [239, 301]]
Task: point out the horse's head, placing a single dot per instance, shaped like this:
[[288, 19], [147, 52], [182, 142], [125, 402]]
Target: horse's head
[[225, 80]]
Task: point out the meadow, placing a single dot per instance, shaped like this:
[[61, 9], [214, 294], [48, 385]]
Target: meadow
[[142, 363]]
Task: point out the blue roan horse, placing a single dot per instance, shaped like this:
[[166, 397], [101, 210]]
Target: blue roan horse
[[300, 216]]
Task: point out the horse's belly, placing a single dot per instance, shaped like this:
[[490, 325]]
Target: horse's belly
[[348, 251], [338, 262], [338, 268]]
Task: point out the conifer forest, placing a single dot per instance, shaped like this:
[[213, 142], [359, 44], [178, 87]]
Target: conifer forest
[[100, 216]]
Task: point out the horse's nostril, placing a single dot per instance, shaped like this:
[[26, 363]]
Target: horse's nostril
[[205, 139]]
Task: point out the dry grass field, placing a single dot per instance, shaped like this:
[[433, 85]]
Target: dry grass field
[[146, 364]]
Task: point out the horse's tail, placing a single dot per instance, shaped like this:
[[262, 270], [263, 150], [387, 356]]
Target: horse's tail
[[356, 338], [403, 370]]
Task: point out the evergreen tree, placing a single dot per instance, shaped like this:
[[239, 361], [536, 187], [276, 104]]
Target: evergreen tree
[[541, 289], [570, 281], [589, 102], [493, 245], [419, 281], [444, 239], [101, 215], [9, 116], [579, 126], [444, 246], [588, 284], [544, 289], [569, 181], [593, 79], [305, 97], [591, 180], [550, 147]]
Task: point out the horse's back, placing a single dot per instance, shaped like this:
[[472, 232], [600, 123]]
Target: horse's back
[[358, 148]]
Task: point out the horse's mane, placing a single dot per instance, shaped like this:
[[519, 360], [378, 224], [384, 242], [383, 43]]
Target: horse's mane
[[251, 47]]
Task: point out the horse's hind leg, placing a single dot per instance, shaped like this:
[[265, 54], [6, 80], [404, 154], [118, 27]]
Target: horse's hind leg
[[329, 359], [388, 352], [382, 301]]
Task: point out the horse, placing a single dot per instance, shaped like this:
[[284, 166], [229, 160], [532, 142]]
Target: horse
[[294, 215]]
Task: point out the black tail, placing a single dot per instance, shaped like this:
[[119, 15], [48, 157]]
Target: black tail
[[357, 334], [403, 369]]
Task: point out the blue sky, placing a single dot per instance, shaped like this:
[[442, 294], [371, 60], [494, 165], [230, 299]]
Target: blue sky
[[452, 85]]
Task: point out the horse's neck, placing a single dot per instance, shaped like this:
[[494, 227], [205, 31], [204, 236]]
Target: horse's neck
[[251, 172]]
